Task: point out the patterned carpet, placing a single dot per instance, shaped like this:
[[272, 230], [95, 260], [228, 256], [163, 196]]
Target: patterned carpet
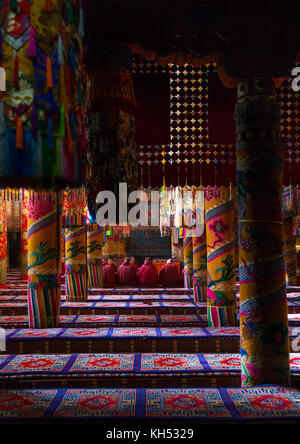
[[125, 320], [259, 403], [113, 320], [149, 364], [114, 297]]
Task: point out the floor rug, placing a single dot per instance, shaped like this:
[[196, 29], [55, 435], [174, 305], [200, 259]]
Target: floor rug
[[256, 403]]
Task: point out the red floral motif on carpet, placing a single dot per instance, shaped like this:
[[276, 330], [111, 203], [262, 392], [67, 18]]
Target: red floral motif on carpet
[[184, 402], [98, 403], [14, 402], [271, 402], [37, 363], [169, 362], [104, 362], [236, 362], [180, 331], [295, 361]]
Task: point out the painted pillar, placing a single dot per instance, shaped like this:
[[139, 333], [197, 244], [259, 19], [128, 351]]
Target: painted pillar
[[3, 245], [290, 253], [75, 264], [199, 267], [188, 257], [24, 243], [43, 261], [94, 255], [221, 281], [263, 303]]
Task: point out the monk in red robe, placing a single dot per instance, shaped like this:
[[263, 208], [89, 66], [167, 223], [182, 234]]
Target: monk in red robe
[[134, 263], [109, 272], [126, 273], [169, 275], [147, 273]]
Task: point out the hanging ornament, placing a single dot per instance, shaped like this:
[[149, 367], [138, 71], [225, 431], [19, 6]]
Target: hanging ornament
[[16, 71], [19, 133], [49, 77], [60, 51], [48, 6], [81, 23], [32, 43]]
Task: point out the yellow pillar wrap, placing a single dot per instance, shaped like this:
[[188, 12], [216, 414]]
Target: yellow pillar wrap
[[199, 266], [263, 302], [24, 246], [188, 257], [290, 253], [75, 264], [43, 261], [221, 282], [94, 255], [3, 245]]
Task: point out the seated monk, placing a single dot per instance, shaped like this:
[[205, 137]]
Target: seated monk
[[147, 273], [109, 272], [134, 263], [126, 273], [169, 275]]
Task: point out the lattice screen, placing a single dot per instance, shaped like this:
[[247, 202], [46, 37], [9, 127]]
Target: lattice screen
[[190, 158]]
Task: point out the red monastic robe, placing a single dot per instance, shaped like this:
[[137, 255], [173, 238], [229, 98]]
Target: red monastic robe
[[148, 274], [126, 274], [109, 274], [169, 275]]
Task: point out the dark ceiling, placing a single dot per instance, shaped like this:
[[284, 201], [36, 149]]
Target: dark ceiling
[[264, 30]]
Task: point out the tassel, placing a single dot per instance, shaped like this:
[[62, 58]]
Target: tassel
[[16, 71], [69, 81], [70, 12], [60, 52], [34, 124], [19, 134], [72, 126], [62, 128], [72, 60], [69, 136], [48, 6], [32, 44], [81, 23], [49, 78], [50, 134], [2, 79], [79, 92], [2, 118]]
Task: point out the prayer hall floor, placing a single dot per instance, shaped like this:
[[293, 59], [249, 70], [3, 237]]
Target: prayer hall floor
[[111, 356]]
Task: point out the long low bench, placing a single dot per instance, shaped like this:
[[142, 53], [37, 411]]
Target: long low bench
[[201, 404], [134, 339], [126, 370]]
